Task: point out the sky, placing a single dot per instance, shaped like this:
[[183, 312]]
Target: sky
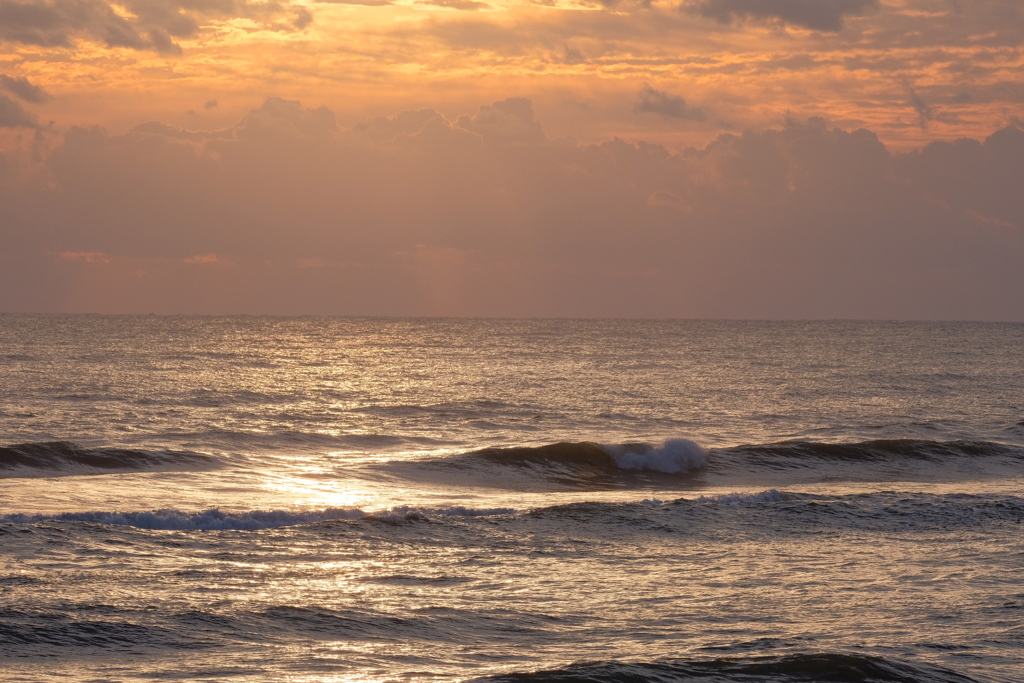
[[759, 159]]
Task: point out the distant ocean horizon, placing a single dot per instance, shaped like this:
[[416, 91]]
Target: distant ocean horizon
[[315, 498]]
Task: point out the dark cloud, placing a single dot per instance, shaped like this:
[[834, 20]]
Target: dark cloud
[[488, 216], [12, 115], [820, 15], [668, 105], [301, 18], [925, 111], [571, 55], [797, 62], [21, 87], [52, 23], [155, 24]]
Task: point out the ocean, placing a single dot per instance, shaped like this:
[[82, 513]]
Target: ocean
[[354, 499]]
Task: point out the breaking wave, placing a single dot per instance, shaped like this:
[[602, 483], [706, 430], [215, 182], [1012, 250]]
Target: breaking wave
[[64, 457], [675, 456], [682, 463], [582, 466]]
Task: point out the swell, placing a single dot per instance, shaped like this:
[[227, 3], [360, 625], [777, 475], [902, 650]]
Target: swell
[[579, 465], [682, 463], [26, 634], [64, 457], [215, 519], [676, 456], [875, 450], [825, 666], [755, 514], [30, 632]]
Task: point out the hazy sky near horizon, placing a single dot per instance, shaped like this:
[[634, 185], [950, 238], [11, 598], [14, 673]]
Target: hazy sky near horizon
[[694, 158]]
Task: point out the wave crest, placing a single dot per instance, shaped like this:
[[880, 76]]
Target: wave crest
[[64, 457], [879, 449], [675, 456]]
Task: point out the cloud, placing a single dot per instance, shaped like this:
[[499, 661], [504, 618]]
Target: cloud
[[203, 259], [972, 177], [925, 111], [301, 18], [150, 24], [383, 128], [53, 23], [470, 5], [12, 115], [508, 121], [22, 88], [820, 15], [490, 216], [667, 105], [287, 119], [85, 256]]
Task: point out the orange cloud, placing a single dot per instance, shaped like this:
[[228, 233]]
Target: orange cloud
[[582, 65], [85, 256], [203, 259]]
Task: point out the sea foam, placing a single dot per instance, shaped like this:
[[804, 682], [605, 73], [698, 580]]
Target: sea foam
[[673, 457]]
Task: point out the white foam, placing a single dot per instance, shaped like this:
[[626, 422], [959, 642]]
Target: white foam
[[769, 496], [674, 456]]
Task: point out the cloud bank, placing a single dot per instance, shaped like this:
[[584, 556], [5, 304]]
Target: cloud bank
[[484, 214]]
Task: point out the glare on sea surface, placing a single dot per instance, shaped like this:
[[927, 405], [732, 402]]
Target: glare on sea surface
[[300, 491], [331, 480]]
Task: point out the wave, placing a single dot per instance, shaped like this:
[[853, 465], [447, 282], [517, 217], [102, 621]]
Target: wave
[[293, 440], [773, 513], [827, 666], [23, 634], [675, 456], [28, 632], [216, 519], [761, 514], [580, 464], [879, 449], [787, 463], [66, 458], [683, 463]]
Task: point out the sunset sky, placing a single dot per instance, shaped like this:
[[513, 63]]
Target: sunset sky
[[702, 158]]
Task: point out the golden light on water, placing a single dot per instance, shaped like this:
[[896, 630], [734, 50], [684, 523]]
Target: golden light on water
[[368, 499]]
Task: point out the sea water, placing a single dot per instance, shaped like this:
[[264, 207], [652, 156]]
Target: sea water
[[332, 499]]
